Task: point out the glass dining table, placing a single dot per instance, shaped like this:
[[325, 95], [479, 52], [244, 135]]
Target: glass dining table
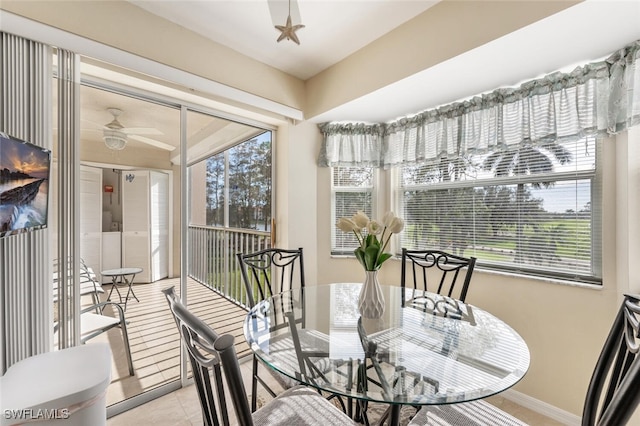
[[425, 349]]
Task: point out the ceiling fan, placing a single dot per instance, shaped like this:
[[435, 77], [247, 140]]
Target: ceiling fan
[[116, 136]]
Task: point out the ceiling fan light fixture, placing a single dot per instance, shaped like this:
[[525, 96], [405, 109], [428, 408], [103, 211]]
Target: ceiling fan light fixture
[[115, 139], [113, 136]]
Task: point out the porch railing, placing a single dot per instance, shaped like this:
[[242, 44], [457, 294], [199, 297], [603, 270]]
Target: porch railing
[[212, 257]]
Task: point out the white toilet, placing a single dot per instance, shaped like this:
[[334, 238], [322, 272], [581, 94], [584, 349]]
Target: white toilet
[[66, 387]]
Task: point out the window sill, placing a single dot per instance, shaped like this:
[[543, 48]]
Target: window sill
[[548, 280]]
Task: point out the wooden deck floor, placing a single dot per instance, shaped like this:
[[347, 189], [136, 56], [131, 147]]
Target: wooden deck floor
[[154, 338]]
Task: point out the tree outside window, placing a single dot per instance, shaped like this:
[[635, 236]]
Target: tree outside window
[[239, 181], [525, 209]]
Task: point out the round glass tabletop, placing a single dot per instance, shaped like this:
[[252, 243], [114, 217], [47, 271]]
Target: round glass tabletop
[[424, 349]]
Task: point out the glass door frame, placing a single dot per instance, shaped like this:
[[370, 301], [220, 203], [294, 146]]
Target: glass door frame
[[183, 107]]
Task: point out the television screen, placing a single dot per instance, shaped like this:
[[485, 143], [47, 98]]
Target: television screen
[[24, 185]]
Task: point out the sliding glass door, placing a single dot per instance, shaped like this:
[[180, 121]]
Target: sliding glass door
[[134, 151], [230, 209], [128, 218]]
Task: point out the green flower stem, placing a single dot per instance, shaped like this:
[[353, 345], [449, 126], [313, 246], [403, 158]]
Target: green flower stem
[[360, 239], [388, 238]]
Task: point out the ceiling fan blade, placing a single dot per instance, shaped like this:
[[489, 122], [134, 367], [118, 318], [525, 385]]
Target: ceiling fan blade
[[153, 142], [92, 123], [142, 131]]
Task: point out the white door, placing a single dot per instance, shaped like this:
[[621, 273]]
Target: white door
[[91, 217], [136, 251], [159, 210]]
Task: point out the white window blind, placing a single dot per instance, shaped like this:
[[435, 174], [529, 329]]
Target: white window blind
[[352, 189], [527, 208]]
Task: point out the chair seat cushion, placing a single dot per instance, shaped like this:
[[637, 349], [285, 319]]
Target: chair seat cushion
[[476, 413], [91, 322], [300, 406]]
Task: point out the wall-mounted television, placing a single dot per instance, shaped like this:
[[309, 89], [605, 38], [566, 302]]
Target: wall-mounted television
[[24, 185]]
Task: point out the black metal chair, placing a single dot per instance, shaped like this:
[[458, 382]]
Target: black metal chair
[[617, 371], [612, 396], [266, 273], [270, 271], [449, 280], [211, 355]]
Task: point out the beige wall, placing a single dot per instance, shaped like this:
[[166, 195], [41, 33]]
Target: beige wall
[[197, 185], [442, 32], [295, 186]]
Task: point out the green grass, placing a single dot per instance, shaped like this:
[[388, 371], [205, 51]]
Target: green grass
[[571, 239]]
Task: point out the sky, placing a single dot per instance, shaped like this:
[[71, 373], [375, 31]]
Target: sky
[[16, 155], [563, 196]]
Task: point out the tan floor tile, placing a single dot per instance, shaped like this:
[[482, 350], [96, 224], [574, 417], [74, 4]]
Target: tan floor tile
[[526, 415], [165, 410]]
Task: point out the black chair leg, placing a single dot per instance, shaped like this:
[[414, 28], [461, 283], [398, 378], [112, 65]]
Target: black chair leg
[[254, 385]]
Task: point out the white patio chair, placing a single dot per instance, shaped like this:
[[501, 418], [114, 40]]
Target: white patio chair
[[93, 321]]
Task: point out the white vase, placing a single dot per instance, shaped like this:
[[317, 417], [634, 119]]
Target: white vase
[[371, 300]]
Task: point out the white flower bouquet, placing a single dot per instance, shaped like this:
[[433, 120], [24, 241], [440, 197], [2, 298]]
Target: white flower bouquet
[[373, 243]]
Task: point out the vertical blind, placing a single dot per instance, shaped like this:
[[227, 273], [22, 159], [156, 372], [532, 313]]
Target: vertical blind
[[25, 271], [26, 293], [67, 247]]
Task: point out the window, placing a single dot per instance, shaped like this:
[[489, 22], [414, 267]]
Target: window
[[352, 189], [528, 208], [246, 170]]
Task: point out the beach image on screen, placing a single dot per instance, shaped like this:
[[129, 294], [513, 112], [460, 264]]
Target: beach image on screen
[[24, 185]]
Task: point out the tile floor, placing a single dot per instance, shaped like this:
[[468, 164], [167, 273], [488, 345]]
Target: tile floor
[[154, 337], [182, 408]]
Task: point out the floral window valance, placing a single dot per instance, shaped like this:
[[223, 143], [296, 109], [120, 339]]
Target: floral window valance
[[596, 99]]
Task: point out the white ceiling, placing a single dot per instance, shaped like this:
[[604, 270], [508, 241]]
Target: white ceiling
[[154, 126], [333, 30]]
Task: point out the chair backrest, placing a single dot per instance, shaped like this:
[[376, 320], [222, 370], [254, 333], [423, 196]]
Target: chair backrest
[[446, 277], [270, 271], [200, 340], [613, 393], [88, 281]]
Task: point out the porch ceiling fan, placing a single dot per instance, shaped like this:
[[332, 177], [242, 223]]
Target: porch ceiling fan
[[116, 136]]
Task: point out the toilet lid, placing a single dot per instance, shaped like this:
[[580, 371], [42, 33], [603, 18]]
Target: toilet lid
[[58, 379]]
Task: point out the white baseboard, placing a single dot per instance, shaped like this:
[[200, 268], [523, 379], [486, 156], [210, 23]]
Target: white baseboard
[[542, 407]]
